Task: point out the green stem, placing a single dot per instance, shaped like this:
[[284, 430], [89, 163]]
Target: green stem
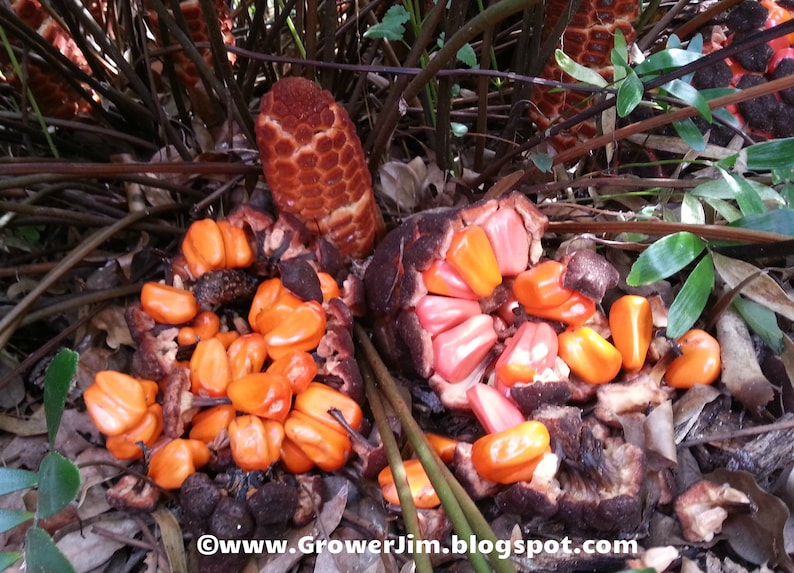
[[462, 511], [490, 17], [31, 98], [410, 517]]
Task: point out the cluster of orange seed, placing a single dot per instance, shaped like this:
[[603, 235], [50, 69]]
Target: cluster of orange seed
[[256, 382]]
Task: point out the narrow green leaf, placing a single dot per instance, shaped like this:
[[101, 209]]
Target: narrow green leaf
[[764, 156], [59, 482], [578, 71], [629, 94], [725, 209], [620, 57], [725, 116], [695, 44], [747, 196], [689, 95], [691, 299], [11, 518], [668, 59], [42, 555], [542, 161], [762, 321], [665, 257], [780, 221], [8, 558], [13, 479], [717, 189], [57, 383], [787, 193], [393, 25], [467, 55], [689, 132], [783, 175], [692, 211], [458, 129], [675, 42]]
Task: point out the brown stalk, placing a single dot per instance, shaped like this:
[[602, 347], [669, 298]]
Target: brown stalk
[[660, 228]]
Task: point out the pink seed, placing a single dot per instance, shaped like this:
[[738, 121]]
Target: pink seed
[[530, 351], [508, 237], [439, 313], [458, 351], [493, 409]]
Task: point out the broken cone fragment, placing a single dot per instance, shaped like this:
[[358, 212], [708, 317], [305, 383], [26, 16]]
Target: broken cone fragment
[[314, 165]]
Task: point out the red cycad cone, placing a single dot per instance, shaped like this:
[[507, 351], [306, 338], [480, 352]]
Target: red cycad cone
[[314, 164]]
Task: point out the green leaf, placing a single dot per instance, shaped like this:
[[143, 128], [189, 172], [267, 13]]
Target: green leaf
[[458, 129], [689, 132], [747, 196], [57, 383], [783, 175], [717, 189], [780, 221], [725, 209], [42, 555], [8, 558], [764, 156], [578, 71], [620, 57], [689, 95], [692, 211], [59, 482], [629, 94], [11, 518], [393, 25], [668, 59], [467, 55], [13, 479], [762, 321], [691, 299], [787, 193], [665, 257], [542, 161]]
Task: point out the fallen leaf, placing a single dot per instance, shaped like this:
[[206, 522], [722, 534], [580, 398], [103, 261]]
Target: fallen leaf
[[762, 289], [401, 184], [171, 535], [741, 373], [756, 536], [35, 425], [688, 407], [111, 320]]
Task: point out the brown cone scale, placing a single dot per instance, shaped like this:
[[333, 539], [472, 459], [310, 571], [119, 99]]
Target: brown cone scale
[[315, 166]]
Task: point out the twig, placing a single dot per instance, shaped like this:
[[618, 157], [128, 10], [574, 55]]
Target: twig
[[743, 433], [9, 321]]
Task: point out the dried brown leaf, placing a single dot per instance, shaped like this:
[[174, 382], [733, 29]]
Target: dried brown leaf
[[756, 536], [171, 534], [688, 407], [741, 373], [111, 321], [762, 289]]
